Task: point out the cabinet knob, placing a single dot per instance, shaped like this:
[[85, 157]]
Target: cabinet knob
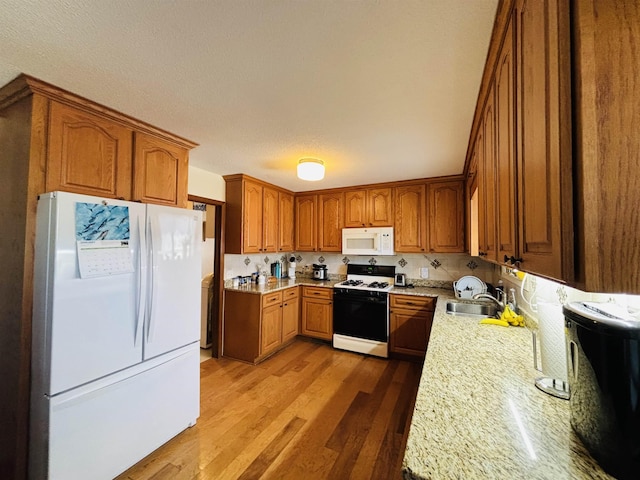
[[512, 260]]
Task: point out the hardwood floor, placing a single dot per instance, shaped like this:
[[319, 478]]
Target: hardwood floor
[[309, 412]]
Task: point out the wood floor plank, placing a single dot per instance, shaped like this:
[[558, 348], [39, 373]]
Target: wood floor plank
[[268, 455], [309, 412], [372, 447]]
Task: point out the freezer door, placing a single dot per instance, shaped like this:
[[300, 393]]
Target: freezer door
[[99, 430], [83, 328], [174, 241]]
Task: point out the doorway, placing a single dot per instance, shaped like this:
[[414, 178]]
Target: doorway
[[213, 238]]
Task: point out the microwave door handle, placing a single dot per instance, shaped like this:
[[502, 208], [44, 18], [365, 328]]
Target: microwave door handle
[[376, 242]]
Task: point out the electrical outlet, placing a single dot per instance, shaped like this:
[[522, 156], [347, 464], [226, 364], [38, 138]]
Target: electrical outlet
[[424, 272]]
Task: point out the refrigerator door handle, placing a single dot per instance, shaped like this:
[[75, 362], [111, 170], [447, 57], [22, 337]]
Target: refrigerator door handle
[[152, 283], [141, 268]]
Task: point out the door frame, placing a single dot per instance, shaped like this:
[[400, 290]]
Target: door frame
[[218, 269]]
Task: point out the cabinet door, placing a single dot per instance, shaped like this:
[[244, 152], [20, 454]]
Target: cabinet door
[[305, 223], [487, 185], [285, 224], [544, 154], [446, 217], [380, 207], [290, 317], [410, 331], [505, 150], [271, 214], [355, 205], [410, 233], [88, 154], [271, 329], [160, 171], [317, 318], [330, 222], [252, 217]]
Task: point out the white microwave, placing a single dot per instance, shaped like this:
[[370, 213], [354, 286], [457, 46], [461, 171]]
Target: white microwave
[[367, 241]]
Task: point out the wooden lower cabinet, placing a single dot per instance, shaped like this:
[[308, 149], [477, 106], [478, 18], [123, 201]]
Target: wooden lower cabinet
[[317, 312], [410, 324], [271, 329], [290, 314], [257, 325]]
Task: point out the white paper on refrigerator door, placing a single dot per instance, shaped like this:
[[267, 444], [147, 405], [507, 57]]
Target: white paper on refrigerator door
[[102, 236]]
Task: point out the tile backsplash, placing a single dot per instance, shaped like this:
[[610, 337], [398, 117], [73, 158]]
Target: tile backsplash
[[440, 266]]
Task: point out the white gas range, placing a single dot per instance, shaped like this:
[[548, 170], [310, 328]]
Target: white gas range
[[361, 309]]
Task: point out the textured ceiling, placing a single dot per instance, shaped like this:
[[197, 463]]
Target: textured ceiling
[[380, 90]]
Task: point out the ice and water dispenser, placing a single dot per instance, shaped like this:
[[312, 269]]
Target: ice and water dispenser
[[603, 356]]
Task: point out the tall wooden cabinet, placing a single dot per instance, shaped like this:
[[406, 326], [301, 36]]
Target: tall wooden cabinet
[[51, 140]]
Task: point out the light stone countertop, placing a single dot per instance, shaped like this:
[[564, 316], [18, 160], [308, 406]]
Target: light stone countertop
[[478, 413], [279, 285]]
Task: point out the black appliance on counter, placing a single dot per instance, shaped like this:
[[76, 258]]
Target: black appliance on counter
[[604, 379], [320, 272], [361, 309]]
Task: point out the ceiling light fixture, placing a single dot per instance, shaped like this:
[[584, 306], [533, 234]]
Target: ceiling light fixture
[[310, 169]]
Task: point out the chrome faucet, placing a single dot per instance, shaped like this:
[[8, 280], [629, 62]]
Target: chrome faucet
[[478, 296]]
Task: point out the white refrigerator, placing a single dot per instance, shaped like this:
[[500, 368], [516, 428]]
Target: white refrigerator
[[115, 352]]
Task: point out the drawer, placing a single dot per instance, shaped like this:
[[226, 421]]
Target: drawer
[[269, 299], [413, 302], [290, 293], [318, 292]]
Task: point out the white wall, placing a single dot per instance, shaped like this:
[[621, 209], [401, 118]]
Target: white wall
[[206, 184]]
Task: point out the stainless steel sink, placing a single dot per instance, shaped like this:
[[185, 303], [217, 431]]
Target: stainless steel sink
[[472, 309]]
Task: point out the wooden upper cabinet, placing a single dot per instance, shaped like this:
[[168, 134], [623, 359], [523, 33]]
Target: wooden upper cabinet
[[487, 183], [369, 207], [505, 184], [330, 222], [259, 216], [605, 42], [380, 207], [446, 216], [160, 171], [306, 207], [285, 223], [270, 217], [252, 209], [88, 154], [544, 154], [410, 234], [355, 205]]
